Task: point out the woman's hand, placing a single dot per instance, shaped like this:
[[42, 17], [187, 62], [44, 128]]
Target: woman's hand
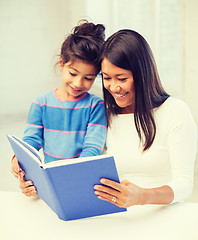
[[124, 194]]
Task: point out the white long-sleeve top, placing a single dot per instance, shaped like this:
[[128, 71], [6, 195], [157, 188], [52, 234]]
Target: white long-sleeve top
[[170, 159]]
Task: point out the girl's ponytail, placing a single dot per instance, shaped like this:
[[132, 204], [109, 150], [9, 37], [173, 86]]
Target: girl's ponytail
[[90, 30], [85, 43]]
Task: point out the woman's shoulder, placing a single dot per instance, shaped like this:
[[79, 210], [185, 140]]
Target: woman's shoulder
[[174, 106], [175, 111]]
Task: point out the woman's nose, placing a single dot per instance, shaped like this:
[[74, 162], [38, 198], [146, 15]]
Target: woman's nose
[[114, 87]]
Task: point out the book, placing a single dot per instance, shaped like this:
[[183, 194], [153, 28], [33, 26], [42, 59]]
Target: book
[[67, 186]]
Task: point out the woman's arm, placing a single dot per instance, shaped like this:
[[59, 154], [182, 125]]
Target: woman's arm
[[181, 141], [182, 144], [126, 194]]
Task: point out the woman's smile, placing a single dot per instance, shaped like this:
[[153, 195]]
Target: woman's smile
[[120, 95], [120, 84]]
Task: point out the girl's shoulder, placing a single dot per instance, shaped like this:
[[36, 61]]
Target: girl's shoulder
[[49, 97], [43, 97], [93, 99]]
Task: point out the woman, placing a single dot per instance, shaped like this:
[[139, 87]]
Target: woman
[[151, 134]]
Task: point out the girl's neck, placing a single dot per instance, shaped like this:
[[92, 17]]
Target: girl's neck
[[62, 96]]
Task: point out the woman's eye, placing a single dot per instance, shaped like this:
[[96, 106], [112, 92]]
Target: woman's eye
[[89, 79], [72, 74], [106, 78]]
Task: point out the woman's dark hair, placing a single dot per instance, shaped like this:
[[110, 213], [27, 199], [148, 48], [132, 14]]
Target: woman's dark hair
[[127, 49], [84, 43]]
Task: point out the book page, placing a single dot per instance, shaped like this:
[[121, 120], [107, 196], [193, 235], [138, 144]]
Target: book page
[[73, 161], [31, 150]]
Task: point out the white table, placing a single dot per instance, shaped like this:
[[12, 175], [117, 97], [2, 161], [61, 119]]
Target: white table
[[25, 218]]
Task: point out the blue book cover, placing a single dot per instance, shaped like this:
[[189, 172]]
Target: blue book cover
[[67, 186]]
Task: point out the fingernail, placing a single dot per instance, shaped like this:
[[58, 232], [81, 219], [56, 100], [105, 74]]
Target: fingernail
[[102, 180]]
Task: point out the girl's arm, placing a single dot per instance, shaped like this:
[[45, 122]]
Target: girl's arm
[[33, 133], [26, 187], [34, 136], [96, 131], [15, 169]]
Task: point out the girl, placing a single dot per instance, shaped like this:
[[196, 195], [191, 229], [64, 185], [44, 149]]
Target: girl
[[151, 134], [69, 122]]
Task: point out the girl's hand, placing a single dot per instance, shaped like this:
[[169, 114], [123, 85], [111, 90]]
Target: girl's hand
[[124, 194], [16, 169], [26, 187]]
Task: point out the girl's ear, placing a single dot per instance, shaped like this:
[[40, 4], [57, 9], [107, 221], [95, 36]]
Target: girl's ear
[[61, 64]]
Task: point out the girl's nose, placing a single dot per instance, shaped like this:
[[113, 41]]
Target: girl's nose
[[78, 82]]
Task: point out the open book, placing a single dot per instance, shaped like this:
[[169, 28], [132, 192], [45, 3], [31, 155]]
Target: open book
[[67, 186]]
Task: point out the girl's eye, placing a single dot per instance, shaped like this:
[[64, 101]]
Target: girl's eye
[[72, 74], [122, 79]]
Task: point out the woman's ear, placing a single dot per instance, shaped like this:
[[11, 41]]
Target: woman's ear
[[61, 64]]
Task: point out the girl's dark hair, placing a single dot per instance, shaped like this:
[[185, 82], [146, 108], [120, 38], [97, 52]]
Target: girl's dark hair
[[84, 43], [127, 49]]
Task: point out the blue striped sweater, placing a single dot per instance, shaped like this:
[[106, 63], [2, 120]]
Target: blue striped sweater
[[66, 129]]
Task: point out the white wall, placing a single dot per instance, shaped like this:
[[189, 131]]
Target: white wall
[[190, 59], [170, 27], [32, 32], [31, 35]]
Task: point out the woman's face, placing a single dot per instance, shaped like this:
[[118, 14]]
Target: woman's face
[[119, 82]]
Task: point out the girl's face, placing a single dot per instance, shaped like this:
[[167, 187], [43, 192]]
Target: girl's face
[[119, 82], [77, 78]]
